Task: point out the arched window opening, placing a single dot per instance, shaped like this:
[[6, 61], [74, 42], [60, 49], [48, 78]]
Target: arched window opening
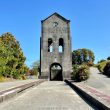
[[61, 45], [50, 45]]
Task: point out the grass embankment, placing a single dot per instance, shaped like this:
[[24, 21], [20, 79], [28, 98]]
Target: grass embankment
[[5, 79], [101, 65]]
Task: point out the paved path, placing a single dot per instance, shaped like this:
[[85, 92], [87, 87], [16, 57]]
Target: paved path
[[47, 96], [98, 81], [8, 85]]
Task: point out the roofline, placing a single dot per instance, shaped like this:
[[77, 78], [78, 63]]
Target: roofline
[[58, 16]]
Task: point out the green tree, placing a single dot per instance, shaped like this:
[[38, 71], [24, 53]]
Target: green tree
[[81, 56], [108, 58], [102, 60], [11, 56], [35, 67]]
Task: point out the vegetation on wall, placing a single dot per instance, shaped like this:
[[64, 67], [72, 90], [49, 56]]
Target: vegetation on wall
[[11, 57]]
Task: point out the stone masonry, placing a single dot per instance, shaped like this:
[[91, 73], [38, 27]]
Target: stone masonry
[[55, 33]]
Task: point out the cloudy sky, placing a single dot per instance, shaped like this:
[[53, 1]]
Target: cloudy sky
[[90, 23]]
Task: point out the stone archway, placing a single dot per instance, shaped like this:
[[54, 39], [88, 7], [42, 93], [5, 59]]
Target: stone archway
[[56, 72]]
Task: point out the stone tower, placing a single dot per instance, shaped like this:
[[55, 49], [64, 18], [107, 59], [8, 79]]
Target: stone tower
[[55, 48]]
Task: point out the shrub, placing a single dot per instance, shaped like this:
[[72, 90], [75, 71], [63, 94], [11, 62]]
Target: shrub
[[106, 69], [101, 66], [2, 79], [90, 63], [33, 71], [75, 68], [23, 77], [81, 73]]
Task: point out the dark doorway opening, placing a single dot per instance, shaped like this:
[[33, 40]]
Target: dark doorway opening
[[56, 72]]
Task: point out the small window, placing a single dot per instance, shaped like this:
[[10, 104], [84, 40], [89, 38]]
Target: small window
[[61, 45], [51, 48], [60, 49], [50, 45]]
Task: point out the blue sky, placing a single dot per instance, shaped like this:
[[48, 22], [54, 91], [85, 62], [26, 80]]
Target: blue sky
[[90, 23]]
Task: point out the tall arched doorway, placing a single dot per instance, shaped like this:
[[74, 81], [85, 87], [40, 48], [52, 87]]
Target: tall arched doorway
[[56, 72]]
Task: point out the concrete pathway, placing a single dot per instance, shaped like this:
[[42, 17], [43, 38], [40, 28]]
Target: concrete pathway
[[47, 96], [98, 81], [8, 85]]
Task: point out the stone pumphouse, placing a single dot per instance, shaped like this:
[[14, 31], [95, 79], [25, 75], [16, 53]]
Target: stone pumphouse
[[55, 48]]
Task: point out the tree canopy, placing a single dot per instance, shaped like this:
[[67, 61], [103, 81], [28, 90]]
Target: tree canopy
[[81, 56], [108, 58], [11, 57]]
